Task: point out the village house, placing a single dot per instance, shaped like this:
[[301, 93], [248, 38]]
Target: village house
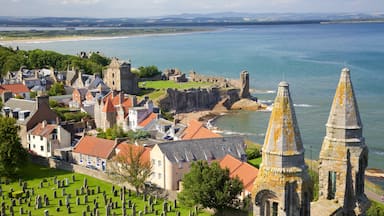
[[45, 138], [93, 152], [17, 89], [243, 170], [197, 130], [171, 160], [28, 114]]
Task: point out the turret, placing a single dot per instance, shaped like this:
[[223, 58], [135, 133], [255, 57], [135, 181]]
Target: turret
[[344, 155], [283, 185]]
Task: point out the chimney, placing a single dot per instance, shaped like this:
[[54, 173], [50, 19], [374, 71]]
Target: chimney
[[42, 101], [6, 96], [134, 100], [44, 124]]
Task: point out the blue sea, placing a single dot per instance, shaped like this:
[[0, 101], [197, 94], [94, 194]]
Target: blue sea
[[310, 57]]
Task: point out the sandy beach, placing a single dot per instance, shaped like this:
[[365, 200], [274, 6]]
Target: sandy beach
[[14, 40]]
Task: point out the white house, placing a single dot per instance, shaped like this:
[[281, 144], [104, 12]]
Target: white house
[[45, 138]]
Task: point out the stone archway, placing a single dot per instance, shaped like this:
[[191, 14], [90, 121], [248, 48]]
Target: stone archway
[[265, 203]]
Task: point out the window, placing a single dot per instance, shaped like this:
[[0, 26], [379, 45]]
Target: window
[[331, 185], [41, 148], [153, 161], [159, 163], [29, 137], [48, 147], [275, 205], [159, 175], [81, 158], [41, 138]]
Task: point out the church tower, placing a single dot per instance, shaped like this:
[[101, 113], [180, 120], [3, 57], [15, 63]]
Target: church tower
[[344, 155], [119, 77], [282, 187]]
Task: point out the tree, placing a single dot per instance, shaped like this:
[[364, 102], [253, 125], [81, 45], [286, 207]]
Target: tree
[[210, 186], [148, 71], [132, 166], [12, 155], [56, 89]]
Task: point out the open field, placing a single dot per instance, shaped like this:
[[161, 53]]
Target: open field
[[43, 182]]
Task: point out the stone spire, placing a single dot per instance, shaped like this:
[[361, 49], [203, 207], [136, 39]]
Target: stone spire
[[344, 155], [283, 184], [344, 119], [283, 140]]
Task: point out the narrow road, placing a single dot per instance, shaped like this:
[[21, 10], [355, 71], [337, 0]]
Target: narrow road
[[374, 196]]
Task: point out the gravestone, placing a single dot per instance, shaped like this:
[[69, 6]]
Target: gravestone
[[46, 212]]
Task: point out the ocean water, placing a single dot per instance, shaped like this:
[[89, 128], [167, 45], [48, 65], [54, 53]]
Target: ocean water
[[310, 57]]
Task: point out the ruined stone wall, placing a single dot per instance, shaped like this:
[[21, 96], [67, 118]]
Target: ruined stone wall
[[190, 100], [219, 81]]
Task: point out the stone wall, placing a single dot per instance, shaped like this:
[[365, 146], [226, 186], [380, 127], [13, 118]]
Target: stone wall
[[219, 81], [63, 165], [197, 99], [190, 100]]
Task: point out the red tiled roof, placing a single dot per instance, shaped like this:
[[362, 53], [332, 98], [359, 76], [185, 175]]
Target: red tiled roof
[[45, 131], [246, 172], [108, 106], [115, 100], [124, 149], [14, 88], [93, 146], [147, 120], [196, 130]]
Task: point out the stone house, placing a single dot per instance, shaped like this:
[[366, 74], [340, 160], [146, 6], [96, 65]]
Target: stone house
[[242, 170], [78, 96], [93, 152], [28, 114], [171, 160], [45, 138], [119, 77], [17, 89], [113, 109]]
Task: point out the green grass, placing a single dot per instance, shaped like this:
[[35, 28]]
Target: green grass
[[155, 90], [255, 162], [164, 84], [34, 175], [376, 209]]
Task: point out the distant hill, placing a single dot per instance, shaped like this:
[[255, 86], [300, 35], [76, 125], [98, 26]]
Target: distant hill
[[227, 18]]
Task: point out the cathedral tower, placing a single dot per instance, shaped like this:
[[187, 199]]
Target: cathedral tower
[[344, 155], [283, 184]]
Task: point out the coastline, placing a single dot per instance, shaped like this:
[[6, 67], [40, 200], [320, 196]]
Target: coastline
[[64, 38]]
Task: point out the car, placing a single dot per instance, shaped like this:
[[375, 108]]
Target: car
[[89, 166]]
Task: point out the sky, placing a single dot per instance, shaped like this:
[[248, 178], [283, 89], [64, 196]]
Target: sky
[[149, 8]]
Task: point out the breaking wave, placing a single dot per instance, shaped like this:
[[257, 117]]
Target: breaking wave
[[302, 105]]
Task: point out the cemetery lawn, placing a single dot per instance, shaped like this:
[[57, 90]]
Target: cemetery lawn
[[35, 176]]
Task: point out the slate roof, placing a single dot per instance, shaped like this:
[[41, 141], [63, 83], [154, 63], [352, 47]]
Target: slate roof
[[96, 147], [203, 149], [21, 104]]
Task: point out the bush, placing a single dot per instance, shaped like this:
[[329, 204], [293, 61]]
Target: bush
[[253, 153]]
